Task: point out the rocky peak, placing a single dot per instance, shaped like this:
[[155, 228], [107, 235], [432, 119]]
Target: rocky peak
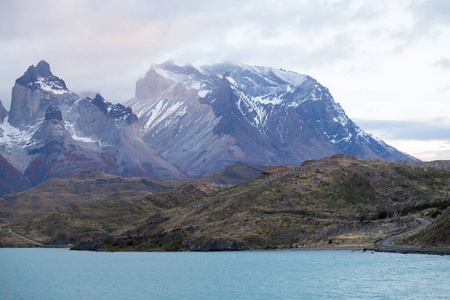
[[53, 113], [34, 92], [51, 136], [100, 103], [43, 69], [40, 77], [115, 111]]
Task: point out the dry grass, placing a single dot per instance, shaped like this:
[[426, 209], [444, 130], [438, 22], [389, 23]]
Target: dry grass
[[338, 201]]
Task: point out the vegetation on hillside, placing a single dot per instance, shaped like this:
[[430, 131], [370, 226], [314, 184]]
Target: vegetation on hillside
[[336, 201]]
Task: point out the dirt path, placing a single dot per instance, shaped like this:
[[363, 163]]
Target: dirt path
[[24, 238], [36, 243], [387, 246]]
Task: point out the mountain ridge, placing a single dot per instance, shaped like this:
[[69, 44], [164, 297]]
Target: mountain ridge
[[254, 114], [184, 122], [51, 132]]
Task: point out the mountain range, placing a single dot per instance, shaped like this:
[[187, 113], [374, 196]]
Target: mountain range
[[183, 122], [202, 120]]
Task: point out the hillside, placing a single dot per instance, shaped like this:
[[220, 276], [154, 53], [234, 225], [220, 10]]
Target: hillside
[[236, 173], [336, 201], [78, 189], [435, 235]]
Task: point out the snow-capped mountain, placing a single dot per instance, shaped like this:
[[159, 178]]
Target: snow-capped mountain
[[202, 120], [183, 121], [51, 132]]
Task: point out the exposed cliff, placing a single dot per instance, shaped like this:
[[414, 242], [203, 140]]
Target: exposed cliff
[[203, 120]]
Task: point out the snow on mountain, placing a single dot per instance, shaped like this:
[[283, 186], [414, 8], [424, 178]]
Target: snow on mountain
[[204, 119], [51, 132], [182, 120], [50, 86]]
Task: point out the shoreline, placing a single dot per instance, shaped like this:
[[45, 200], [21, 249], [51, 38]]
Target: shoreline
[[406, 250], [384, 245]]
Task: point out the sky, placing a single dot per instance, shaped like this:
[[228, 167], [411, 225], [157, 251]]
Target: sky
[[386, 62]]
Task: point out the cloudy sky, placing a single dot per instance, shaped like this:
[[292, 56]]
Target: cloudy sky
[[387, 62]]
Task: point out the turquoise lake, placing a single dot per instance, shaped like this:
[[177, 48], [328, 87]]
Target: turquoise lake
[[63, 274]]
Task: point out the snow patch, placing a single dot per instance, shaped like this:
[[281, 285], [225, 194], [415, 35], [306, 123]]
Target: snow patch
[[251, 109], [161, 111], [186, 80], [231, 80], [346, 139], [267, 100], [51, 86], [202, 93], [290, 77], [83, 139]]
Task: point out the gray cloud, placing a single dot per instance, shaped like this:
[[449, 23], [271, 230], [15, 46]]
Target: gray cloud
[[107, 45], [431, 13], [443, 63], [429, 17], [437, 129]]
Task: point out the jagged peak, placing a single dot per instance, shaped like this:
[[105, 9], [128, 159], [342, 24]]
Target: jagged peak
[[43, 69], [115, 111], [100, 103], [41, 77]]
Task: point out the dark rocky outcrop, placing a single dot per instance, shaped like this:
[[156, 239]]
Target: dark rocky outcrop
[[219, 245], [42, 70]]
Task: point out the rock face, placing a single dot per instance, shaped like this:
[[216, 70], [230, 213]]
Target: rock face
[[54, 153], [202, 120], [182, 122], [51, 132], [114, 127], [11, 179], [3, 112], [34, 92]]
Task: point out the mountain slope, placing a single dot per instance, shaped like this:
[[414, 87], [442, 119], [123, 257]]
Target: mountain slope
[[75, 190], [435, 235], [54, 153], [11, 179], [236, 173], [51, 132], [336, 201], [202, 120]]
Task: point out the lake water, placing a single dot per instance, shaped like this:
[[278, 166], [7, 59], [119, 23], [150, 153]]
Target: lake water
[[63, 274]]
